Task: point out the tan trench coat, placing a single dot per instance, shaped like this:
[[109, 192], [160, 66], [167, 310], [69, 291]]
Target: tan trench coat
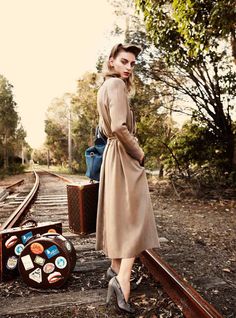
[[125, 220]]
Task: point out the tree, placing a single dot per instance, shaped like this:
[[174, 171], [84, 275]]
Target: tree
[[84, 110], [84, 118], [8, 118], [56, 128], [206, 78], [191, 148], [201, 22]]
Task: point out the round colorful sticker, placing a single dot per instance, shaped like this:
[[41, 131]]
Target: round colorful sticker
[[68, 245], [48, 268], [18, 249], [12, 262], [61, 262], [52, 231], [11, 241], [36, 248], [54, 277]]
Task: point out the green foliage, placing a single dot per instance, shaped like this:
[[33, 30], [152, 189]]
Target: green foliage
[[40, 156], [187, 27], [192, 148], [12, 134], [200, 22], [152, 122], [56, 141], [193, 62], [81, 110], [84, 105]]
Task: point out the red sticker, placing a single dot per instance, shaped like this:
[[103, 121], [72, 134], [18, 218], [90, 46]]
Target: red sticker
[[36, 248], [11, 241], [54, 277]]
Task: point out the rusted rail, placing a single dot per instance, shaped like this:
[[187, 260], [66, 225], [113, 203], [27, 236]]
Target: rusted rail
[[186, 297], [58, 176], [14, 219], [14, 184]]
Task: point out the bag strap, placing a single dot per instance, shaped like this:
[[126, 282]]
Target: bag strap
[[99, 134]]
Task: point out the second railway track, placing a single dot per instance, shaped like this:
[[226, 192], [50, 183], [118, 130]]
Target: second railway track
[[84, 294]]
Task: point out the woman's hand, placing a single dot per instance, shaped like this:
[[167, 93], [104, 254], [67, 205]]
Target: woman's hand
[[142, 161]]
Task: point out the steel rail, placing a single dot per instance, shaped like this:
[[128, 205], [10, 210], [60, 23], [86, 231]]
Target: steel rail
[[185, 296], [58, 176], [14, 184], [15, 217]]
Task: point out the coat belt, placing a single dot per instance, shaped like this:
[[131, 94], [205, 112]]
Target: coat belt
[[109, 139]]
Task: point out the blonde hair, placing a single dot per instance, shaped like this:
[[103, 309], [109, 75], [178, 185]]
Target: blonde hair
[[108, 70]]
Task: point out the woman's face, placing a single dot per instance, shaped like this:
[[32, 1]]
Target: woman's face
[[123, 63]]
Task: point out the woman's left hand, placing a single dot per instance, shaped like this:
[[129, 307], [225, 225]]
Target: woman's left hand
[[142, 161]]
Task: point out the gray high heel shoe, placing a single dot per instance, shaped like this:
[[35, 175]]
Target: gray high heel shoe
[[114, 287], [110, 274]]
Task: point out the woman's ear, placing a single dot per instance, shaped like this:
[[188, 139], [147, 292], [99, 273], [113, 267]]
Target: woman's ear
[[111, 61]]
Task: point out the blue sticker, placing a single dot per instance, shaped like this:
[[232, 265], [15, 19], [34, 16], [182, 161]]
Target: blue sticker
[[61, 262], [51, 251], [26, 237], [18, 249]]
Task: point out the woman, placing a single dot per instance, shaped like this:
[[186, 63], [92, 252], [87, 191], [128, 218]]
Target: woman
[[125, 220]]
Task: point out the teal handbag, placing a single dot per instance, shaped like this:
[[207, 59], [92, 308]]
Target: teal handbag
[[93, 156]]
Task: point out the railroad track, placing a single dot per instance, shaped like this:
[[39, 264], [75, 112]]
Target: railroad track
[[12, 196], [85, 292]]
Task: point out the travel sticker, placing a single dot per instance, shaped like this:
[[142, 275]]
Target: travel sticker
[[12, 262], [61, 262], [11, 241], [26, 237], [52, 231], [36, 248], [39, 260], [51, 251], [27, 262], [36, 275], [54, 277], [18, 249], [68, 245], [48, 268]]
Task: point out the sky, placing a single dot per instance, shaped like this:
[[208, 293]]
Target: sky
[[45, 46]]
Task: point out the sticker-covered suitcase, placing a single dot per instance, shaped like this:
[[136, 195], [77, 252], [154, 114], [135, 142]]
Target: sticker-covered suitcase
[[13, 241], [47, 261], [82, 207]]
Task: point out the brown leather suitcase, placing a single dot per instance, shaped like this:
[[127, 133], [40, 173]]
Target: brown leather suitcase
[[47, 261], [82, 207], [13, 241]]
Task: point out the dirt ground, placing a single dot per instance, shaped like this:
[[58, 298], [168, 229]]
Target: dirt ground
[[200, 238], [200, 229]]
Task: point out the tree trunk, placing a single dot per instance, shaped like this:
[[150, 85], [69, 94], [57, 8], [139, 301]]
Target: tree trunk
[[5, 153], [161, 171], [230, 151], [233, 44]]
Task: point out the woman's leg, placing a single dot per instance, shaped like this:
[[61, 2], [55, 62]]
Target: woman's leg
[[115, 264], [124, 275]]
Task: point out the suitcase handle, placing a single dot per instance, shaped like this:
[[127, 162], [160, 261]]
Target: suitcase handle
[[32, 223]]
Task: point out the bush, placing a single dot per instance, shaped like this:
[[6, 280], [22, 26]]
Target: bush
[[14, 168]]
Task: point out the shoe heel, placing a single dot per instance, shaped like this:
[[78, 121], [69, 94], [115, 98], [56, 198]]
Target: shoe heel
[[110, 292]]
